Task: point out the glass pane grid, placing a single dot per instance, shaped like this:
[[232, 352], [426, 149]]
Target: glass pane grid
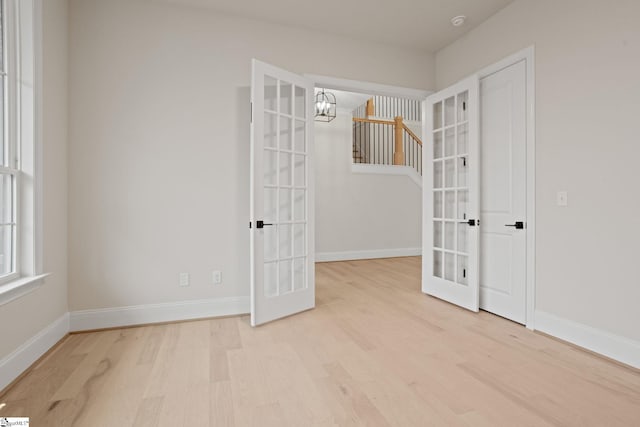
[[7, 224], [4, 146], [299, 136], [285, 283], [451, 157], [291, 187], [437, 115], [7, 198], [285, 105], [300, 102], [285, 187], [270, 279], [291, 258], [276, 267], [2, 49], [450, 194], [451, 251], [299, 274], [7, 246]]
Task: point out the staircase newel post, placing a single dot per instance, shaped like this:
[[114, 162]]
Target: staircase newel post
[[398, 152], [370, 109]]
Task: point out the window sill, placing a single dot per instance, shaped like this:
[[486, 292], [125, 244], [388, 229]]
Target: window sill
[[20, 287]]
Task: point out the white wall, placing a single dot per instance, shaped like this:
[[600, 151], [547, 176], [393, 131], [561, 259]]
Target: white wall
[[587, 103], [356, 212], [25, 317], [159, 141]]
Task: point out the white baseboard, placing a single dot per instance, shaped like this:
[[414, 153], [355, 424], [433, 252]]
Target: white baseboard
[[15, 363], [368, 254], [365, 168], [613, 346], [156, 313]]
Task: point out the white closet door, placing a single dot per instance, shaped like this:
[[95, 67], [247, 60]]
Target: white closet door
[[451, 195], [282, 225], [503, 208]]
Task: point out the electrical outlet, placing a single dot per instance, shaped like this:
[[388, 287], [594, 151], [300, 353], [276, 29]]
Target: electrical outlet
[[184, 279], [562, 198], [217, 277]]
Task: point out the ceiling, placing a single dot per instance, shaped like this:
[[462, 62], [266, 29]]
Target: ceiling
[[417, 24]]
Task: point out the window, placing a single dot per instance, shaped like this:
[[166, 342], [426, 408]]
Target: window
[[9, 167], [19, 151]]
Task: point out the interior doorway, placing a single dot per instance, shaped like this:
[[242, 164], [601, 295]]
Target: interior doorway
[[368, 201]]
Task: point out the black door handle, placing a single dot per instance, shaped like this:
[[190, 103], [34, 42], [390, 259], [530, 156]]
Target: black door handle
[[261, 224], [519, 225]]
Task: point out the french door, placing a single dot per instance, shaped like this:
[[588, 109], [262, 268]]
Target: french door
[[451, 213], [282, 222]]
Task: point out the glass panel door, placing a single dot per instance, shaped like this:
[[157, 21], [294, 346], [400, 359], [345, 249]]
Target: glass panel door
[[282, 233], [451, 195]]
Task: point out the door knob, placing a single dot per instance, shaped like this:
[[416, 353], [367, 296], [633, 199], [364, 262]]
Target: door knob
[[519, 225], [261, 224]]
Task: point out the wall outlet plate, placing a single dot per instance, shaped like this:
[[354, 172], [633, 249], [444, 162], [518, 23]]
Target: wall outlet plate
[[216, 277], [184, 279], [562, 198]]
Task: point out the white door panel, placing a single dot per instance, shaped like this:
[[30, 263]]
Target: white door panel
[[282, 223], [451, 195], [503, 192], [498, 278]]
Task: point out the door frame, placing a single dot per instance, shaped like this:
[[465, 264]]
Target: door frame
[[528, 55]]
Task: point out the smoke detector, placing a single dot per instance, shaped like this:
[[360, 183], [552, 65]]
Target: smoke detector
[[458, 21]]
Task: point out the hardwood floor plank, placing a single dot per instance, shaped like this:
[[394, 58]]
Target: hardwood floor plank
[[148, 413], [221, 405], [152, 345], [93, 366]]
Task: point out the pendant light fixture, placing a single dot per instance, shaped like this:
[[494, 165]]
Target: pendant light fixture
[[325, 106]]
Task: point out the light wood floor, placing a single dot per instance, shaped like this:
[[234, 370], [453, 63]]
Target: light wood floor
[[374, 352]]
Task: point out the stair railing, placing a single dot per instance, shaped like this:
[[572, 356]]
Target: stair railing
[[386, 142]]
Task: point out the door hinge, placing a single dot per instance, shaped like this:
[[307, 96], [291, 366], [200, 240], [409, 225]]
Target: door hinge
[[251, 112], [249, 224], [464, 272], [464, 106]]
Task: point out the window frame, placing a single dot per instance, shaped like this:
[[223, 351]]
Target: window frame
[[23, 40], [11, 136]]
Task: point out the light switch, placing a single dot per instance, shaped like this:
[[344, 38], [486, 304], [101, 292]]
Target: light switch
[[561, 198]]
